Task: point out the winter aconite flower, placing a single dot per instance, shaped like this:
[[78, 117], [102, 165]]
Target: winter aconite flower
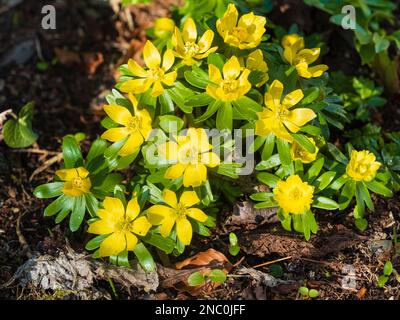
[[135, 128], [186, 46], [293, 195], [301, 58], [76, 180], [279, 117], [299, 153], [122, 225], [255, 62], [164, 27], [245, 33], [177, 213], [234, 83], [190, 156], [156, 74], [362, 166]]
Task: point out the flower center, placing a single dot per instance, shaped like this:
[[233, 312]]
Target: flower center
[[229, 86], [77, 183], [239, 33], [181, 211], [295, 194], [156, 73], [133, 124], [123, 225], [191, 49]]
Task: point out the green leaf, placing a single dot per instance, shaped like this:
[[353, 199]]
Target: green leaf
[[234, 250], [178, 94], [325, 203], [48, 190], [303, 291], [217, 276], [262, 196], [96, 150], [199, 100], [18, 132], [233, 240], [166, 103], [314, 170], [94, 243], [272, 162], [71, 153], [304, 142], [268, 147], [268, 179], [382, 280], [361, 224], [347, 194], [362, 190], [388, 268], [381, 43], [337, 154], [62, 202], [197, 77], [78, 213], [216, 59], [284, 151], [225, 116], [379, 188], [165, 244], [171, 123], [313, 293], [144, 257], [324, 180], [211, 109], [92, 204], [310, 95], [196, 279]]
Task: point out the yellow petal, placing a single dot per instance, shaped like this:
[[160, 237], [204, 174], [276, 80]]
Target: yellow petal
[[137, 70], [189, 31], [168, 150], [318, 70], [158, 89], [101, 227], [82, 172], [132, 209], [71, 191], [115, 207], [166, 226], [169, 198], [169, 78], [309, 55], [141, 226], [168, 60], [197, 214], [214, 74], [228, 21], [231, 69], [255, 61], [136, 86], [205, 54], [151, 56], [298, 117], [189, 199], [157, 213], [195, 175], [131, 241], [198, 139], [134, 101], [118, 114], [115, 134], [205, 41], [175, 171], [210, 159], [184, 231], [67, 174], [302, 70], [293, 98], [274, 94], [113, 245], [177, 41], [131, 145]]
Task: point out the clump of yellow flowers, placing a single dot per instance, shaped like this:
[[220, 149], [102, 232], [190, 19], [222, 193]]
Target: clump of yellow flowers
[[168, 156]]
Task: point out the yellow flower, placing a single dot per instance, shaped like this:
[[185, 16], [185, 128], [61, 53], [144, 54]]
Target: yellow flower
[[233, 85], [121, 225], [190, 156], [245, 33], [155, 76], [301, 58], [293, 195], [255, 62], [186, 46], [164, 27], [362, 166], [279, 117], [76, 180], [299, 153], [177, 213], [136, 128]]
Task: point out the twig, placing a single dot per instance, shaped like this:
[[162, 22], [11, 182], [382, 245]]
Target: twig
[[21, 238], [237, 263], [46, 164], [37, 151], [271, 262]]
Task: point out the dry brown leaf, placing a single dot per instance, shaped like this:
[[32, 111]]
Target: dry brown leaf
[[67, 57], [92, 61], [361, 293]]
